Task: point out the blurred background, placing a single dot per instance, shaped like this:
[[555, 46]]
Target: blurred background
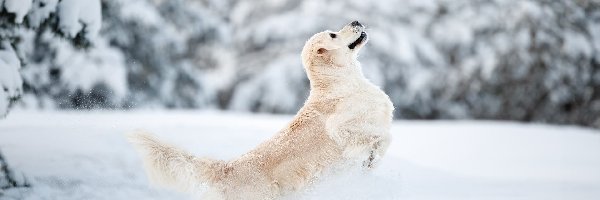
[[526, 60], [75, 75]]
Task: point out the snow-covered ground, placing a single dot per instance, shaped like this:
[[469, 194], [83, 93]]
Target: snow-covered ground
[[77, 155]]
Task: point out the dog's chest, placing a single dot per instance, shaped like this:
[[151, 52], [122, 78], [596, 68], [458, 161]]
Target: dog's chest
[[367, 102]]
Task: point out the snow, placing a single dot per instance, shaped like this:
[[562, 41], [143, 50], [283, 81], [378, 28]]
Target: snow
[[41, 11], [142, 11], [85, 70], [10, 79], [18, 7], [4, 102], [577, 44], [78, 155], [75, 15]]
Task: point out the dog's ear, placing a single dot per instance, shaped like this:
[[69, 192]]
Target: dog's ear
[[321, 51], [326, 49]]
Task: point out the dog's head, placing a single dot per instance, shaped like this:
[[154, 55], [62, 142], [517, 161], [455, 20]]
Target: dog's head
[[330, 49]]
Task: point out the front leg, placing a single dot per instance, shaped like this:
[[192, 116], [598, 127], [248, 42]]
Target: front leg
[[377, 151], [357, 145], [366, 140], [366, 147]]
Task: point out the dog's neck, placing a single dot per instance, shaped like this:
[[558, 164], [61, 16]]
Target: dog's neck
[[333, 84]]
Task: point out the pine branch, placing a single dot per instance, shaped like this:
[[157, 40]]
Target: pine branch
[[9, 30]]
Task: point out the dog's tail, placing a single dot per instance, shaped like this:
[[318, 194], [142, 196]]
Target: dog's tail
[[172, 167]]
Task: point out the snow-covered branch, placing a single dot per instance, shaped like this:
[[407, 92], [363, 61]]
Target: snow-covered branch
[[78, 20]]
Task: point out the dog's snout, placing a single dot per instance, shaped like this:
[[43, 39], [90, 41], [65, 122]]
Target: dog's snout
[[355, 23]]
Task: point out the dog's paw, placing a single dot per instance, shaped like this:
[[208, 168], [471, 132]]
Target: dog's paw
[[372, 161], [367, 164]]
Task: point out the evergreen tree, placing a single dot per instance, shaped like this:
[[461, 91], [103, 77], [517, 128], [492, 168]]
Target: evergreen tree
[[529, 60], [27, 22]]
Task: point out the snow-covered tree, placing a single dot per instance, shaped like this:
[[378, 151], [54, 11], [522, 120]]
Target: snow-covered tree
[[528, 60], [10, 79], [33, 31], [24, 25], [177, 52]]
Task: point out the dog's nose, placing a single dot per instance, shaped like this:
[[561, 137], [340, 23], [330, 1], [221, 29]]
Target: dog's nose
[[355, 23]]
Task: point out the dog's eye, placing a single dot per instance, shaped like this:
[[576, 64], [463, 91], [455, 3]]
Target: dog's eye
[[332, 35]]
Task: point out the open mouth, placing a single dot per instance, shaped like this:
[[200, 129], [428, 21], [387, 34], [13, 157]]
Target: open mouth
[[358, 41]]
